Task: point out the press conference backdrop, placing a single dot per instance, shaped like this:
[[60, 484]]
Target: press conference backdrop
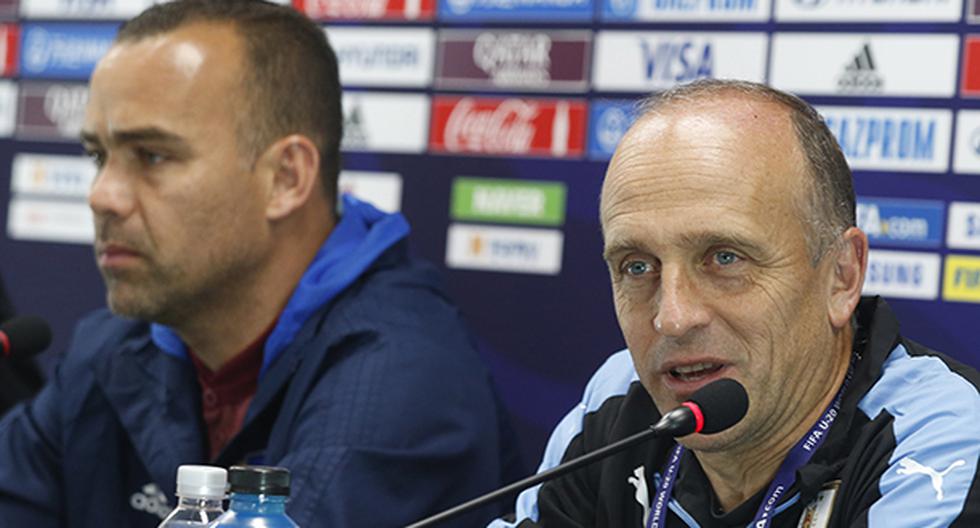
[[489, 124]]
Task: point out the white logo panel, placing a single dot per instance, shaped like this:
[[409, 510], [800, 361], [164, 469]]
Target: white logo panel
[[511, 249], [860, 64], [8, 108], [84, 9], [966, 153], [892, 139], [687, 10], [964, 225], [381, 189], [377, 122], [50, 175], [868, 10], [50, 221], [902, 274], [643, 61], [383, 57]]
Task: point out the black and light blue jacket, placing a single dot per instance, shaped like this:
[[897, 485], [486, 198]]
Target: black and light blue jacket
[[903, 453], [371, 393]]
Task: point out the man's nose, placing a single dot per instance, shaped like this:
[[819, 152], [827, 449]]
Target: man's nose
[[680, 307], [112, 192]]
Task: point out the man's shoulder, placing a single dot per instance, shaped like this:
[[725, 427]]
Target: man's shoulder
[[101, 330]]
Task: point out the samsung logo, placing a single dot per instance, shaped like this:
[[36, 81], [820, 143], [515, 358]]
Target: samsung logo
[[902, 274], [68, 51]]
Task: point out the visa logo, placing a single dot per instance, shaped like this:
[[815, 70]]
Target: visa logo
[[885, 138], [677, 61], [901, 222]]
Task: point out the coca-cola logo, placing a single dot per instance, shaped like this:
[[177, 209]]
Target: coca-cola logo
[[523, 58], [508, 127], [348, 8]]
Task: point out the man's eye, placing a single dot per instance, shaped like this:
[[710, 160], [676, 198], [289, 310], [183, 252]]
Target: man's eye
[[637, 268], [726, 258], [148, 157], [98, 158]]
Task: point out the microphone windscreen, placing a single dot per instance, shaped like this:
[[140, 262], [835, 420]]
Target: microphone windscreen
[[723, 403], [27, 334]]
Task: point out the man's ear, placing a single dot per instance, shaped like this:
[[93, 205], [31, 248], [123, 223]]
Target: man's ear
[[294, 163], [849, 266]]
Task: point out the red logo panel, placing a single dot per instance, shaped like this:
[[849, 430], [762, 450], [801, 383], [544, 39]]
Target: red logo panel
[[367, 9], [517, 127], [9, 44], [970, 85]]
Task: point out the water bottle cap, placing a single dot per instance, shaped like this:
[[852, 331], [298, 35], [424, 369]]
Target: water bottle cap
[[259, 480], [201, 481]]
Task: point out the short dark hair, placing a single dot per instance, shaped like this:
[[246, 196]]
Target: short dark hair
[[830, 209], [291, 84]]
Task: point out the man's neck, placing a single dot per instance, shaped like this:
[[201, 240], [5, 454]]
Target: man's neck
[[738, 474]]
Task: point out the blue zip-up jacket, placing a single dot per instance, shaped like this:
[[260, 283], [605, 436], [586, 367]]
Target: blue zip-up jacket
[[371, 393]]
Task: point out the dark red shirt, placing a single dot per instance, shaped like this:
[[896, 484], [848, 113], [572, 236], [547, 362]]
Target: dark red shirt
[[226, 394]]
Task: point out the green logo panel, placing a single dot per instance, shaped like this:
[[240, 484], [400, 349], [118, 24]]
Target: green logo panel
[[508, 201]]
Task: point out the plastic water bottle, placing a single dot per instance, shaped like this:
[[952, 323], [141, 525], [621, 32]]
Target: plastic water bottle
[[258, 498], [200, 490]]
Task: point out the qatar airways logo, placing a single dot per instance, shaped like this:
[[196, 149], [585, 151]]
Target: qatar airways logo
[[523, 58], [507, 128]]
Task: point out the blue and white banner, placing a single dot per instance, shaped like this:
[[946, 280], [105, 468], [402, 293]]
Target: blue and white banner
[[685, 10], [609, 119], [63, 51], [901, 223], [538, 11]]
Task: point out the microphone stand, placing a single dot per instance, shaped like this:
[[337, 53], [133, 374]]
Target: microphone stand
[[675, 424]]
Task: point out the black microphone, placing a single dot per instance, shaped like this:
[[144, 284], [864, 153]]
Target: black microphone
[[24, 336], [712, 409]]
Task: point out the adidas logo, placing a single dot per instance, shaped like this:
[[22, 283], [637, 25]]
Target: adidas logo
[[355, 135], [859, 75]]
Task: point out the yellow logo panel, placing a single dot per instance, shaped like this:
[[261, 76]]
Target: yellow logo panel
[[961, 280]]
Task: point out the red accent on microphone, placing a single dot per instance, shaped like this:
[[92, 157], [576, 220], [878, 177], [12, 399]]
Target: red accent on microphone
[[698, 417], [5, 342]]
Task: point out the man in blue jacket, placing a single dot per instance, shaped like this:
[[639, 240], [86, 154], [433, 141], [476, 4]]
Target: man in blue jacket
[[251, 321]]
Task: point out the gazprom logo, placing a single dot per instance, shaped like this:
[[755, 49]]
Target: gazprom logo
[[904, 223]]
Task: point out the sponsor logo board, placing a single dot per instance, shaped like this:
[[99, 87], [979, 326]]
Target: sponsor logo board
[[367, 9], [518, 127], [902, 274], [609, 119], [508, 249], [633, 61], [52, 176], [517, 10], [382, 122], [9, 44], [860, 64], [8, 9], [686, 10], [50, 221], [868, 10], [63, 51], [966, 152], [527, 60], [381, 189], [961, 280], [892, 139], [894, 222], [970, 83], [84, 9], [8, 107], [51, 111], [383, 56], [964, 225], [508, 201]]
